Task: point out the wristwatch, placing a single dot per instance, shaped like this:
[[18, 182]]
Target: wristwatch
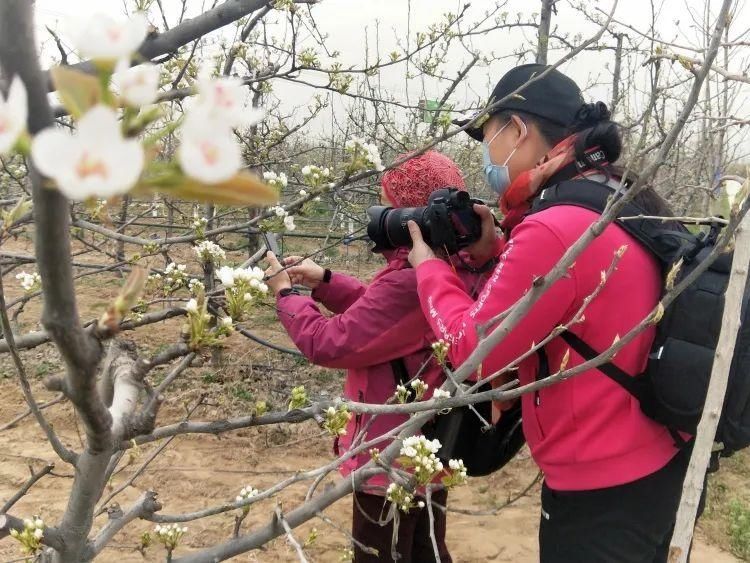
[[288, 291], [327, 275]]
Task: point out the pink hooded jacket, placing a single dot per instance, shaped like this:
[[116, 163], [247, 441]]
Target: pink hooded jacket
[[373, 324], [586, 432]]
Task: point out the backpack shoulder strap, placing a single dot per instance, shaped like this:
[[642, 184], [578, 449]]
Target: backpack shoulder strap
[[594, 196], [619, 376]]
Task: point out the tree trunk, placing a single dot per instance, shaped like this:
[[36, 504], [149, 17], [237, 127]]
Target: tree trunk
[[545, 19], [693, 485], [120, 253]]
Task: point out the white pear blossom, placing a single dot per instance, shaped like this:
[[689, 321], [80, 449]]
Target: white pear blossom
[[195, 286], [289, 223], [101, 37], [13, 114], [192, 306], [29, 282], [303, 193], [138, 85], [221, 101], [279, 211], [226, 275], [419, 453], [441, 394], [315, 176], [246, 493], [227, 322], [94, 161], [207, 153], [208, 251], [358, 147], [278, 181], [170, 534], [249, 274], [199, 222]]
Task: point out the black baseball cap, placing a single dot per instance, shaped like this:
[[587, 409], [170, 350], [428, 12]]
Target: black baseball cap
[[554, 96]]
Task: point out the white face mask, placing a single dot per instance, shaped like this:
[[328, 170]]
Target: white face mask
[[498, 175]]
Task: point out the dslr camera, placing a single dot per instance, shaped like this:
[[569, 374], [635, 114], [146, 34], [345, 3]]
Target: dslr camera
[[448, 221]]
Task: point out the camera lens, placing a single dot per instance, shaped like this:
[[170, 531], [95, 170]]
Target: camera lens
[[388, 227], [396, 227]]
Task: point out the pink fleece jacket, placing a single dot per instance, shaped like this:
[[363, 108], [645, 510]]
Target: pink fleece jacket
[[586, 432], [373, 324]]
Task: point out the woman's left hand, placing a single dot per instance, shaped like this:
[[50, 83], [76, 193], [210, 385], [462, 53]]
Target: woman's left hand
[[277, 276], [420, 252]]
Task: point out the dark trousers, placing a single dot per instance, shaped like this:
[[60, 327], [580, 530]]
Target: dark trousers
[[414, 544], [630, 523]]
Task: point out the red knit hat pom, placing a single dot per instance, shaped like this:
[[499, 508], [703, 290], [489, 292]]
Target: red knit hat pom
[[411, 184]]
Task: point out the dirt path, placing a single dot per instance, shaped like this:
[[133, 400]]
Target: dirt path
[[202, 471]]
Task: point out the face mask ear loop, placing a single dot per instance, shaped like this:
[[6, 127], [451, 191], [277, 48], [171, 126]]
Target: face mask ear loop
[[518, 144], [496, 134]]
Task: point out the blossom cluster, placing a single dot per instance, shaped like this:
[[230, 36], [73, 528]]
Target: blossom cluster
[[175, 277], [199, 225], [31, 536], [457, 473], [418, 454], [209, 252], [170, 535], [281, 219], [242, 287], [441, 394], [363, 155], [278, 181], [315, 176], [196, 286], [198, 330], [29, 282], [299, 398], [208, 151], [401, 498], [103, 157], [336, 420], [416, 389], [440, 351], [247, 492]]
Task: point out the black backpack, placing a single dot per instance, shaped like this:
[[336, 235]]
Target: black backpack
[[484, 448], [673, 388]]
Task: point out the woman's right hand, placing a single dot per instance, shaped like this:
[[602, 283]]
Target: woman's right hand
[[303, 271], [486, 247]]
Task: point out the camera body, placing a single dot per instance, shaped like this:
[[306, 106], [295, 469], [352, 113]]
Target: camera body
[[448, 221]]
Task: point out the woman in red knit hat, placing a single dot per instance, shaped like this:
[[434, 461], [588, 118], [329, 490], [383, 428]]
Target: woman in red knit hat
[[372, 325]]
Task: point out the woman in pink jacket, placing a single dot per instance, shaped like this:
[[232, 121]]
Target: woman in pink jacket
[[613, 477], [371, 325]]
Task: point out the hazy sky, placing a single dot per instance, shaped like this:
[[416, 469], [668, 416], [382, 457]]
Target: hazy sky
[[353, 24]]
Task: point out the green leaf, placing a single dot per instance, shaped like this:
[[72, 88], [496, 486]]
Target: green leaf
[[78, 91], [243, 189]]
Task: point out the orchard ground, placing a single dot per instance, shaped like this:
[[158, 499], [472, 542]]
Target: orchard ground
[[200, 471]]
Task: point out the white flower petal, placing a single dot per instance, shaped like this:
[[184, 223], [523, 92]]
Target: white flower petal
[[208, 155], [138, 86], [52, 150], [101, 37]]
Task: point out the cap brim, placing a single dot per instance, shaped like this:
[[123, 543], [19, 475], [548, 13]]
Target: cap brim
[[473, 131]]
